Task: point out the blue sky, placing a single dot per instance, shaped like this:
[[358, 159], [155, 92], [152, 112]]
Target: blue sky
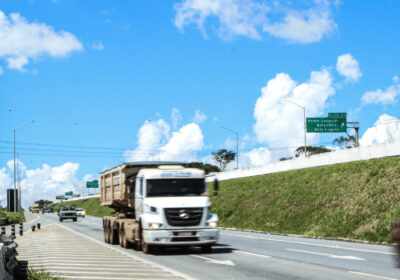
[[111, 81]]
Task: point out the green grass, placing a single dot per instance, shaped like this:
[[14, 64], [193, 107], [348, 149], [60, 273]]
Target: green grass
[[13, 217], [40, 275], [91, 206], [357, 200]]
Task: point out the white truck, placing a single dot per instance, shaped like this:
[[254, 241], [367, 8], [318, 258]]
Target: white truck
[[157, 204]]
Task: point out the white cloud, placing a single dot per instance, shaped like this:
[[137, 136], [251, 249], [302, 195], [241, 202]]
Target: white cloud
[[280, 123], [97, 45], [348, 66], [199, 117], [44, 182], [1, 71], [387, 96], [176, 117], [21, 41], [304, 26], [386, 129], [249, 18], [255, 157], [155, 142]]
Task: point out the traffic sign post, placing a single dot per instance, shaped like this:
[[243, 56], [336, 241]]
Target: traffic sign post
[[326, 125], [92, 185]]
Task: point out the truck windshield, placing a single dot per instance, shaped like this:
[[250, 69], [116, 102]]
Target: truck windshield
[[175, 187]]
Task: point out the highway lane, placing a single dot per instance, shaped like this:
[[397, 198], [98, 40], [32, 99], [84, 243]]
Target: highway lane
[[244, 255]]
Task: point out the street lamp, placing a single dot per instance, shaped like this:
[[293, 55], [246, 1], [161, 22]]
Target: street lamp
[[237, 145], [19, 175], [15, 171], [305, 124]]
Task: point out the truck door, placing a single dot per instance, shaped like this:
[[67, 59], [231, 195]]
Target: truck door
[[139, 196]]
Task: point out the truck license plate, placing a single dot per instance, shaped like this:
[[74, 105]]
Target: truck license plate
[[185, 233]]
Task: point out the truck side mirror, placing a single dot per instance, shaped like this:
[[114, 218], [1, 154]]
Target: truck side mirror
[[216, 187]]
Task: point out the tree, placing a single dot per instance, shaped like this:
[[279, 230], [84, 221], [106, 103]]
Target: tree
[[223, 157], [312, 150], [347, 142], [204, 166], [43, 203]]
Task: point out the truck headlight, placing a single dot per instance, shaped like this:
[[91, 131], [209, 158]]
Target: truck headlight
[[212, 224], [149, 209], [155, 225]]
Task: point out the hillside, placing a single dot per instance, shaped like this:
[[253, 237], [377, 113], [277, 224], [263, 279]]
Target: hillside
[[357, 200]]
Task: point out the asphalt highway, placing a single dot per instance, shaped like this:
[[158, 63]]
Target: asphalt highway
[[246, 255]]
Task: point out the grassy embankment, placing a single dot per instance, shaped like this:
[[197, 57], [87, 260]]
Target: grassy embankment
[[357, 200], [91, 206]]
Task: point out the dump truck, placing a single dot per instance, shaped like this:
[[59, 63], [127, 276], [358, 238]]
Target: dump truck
[[157, 204], [35, 208]]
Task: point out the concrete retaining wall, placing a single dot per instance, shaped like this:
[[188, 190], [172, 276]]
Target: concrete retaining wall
[[340, 156]]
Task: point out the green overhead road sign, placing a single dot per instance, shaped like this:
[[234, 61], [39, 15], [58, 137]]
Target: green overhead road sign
[[337, 115], [92, 185], [327, 125], [69, 193]]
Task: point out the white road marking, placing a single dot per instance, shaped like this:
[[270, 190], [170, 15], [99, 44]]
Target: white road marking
[[310, 244], [251, 254], [373, 275], [227, 262], [121, 251], [328, 255]]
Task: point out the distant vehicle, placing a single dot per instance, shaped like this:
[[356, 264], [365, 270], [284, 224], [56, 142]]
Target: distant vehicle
[[42, 210], [80, 212], [157, 204], [35, 208], [67, 212], [30, 208], [49, 210]]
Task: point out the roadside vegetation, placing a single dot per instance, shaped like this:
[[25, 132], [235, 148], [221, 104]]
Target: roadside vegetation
[[91, 206], [40, 275], [357, 200], [8, 218]]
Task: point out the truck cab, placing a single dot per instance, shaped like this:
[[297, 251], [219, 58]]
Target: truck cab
[[172, 205]]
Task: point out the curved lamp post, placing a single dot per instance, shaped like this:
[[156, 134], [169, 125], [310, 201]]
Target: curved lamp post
[[305, 124], [15, 170]]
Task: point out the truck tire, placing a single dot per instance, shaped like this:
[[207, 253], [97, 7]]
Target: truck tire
[[60, 219], [106, 234], [75, 219], [146, 248], [122, 239], [113, 236]]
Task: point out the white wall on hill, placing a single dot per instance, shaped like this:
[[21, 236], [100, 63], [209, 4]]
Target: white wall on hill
[[334, 157]]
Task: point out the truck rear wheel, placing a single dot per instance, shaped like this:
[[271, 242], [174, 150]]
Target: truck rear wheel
[[106, 234], [122, 239], [113, 235]]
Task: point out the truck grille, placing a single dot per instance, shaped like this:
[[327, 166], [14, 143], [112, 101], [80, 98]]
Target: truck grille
[[183, 216]]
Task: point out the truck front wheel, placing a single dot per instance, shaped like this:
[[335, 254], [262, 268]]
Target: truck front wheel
[[106, 234], [146, 248]]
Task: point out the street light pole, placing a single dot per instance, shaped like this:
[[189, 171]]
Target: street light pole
[[15, 171], [237, 145], [304, 124]]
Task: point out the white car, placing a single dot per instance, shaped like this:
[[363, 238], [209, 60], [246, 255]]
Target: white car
[[80, 212]]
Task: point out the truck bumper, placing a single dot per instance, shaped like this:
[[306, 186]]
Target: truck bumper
[[181, 237]]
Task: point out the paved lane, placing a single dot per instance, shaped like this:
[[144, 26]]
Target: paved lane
[[242, 255], [67, 254]]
